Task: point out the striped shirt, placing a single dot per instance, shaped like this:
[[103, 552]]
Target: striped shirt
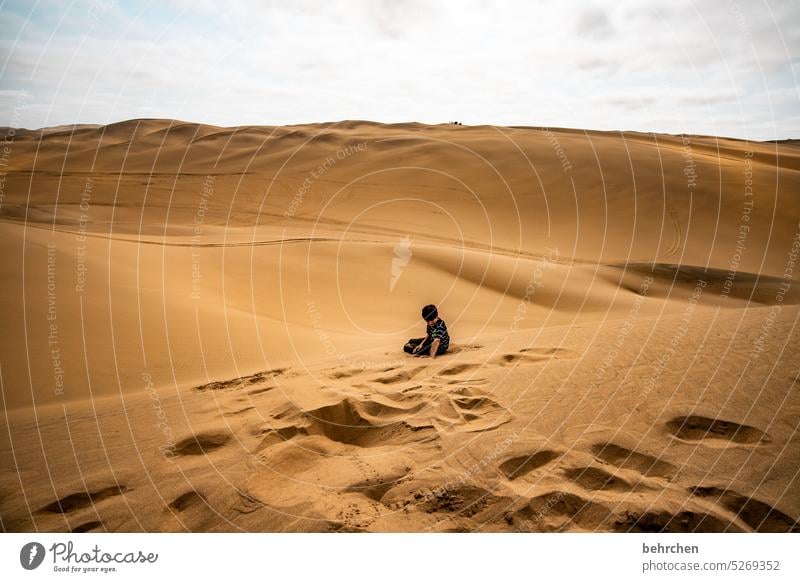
[[439, 330]]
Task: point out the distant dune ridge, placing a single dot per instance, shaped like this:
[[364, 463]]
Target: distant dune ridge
[[203, 329]]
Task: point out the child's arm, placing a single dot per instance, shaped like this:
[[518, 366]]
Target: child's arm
[[435, 348], [419, 345]]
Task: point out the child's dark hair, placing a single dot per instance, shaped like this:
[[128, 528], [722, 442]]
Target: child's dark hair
[[429, 312]]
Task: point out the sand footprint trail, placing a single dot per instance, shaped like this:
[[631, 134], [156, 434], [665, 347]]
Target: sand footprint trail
[[370, 429], [379, 450], [434, 447], [715, 432]]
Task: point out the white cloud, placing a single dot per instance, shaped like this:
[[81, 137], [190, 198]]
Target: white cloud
[[694, 66]]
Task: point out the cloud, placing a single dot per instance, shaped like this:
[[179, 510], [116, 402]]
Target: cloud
[[630, 103], [593, 22], [608, 65]]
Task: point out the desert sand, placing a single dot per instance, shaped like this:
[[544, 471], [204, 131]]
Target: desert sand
[[202, 329]]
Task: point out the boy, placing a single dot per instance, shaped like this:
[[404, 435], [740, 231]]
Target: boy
[[437, 340]]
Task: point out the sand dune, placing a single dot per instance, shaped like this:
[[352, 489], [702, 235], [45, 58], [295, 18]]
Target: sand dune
[[212, 318]]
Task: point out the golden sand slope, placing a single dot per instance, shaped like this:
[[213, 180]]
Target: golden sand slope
[[211, 317]]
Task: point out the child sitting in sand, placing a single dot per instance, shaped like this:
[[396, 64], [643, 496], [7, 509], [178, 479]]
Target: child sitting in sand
[[437, 340]]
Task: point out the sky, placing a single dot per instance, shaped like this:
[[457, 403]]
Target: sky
[[715, 67]]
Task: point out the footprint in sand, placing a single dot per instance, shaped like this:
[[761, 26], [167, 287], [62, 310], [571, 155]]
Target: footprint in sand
[[187, 500], [243, 382], [628, 459], [201, 443], [714, 431], [455, 373], [521, 465], [88, 526], [530, 356], [668, 522], [597, 479], [81, 499], [344, 373], [560, 510], [399, 377], [470, 382], [340, 374], [761, 516], [458, 369]]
